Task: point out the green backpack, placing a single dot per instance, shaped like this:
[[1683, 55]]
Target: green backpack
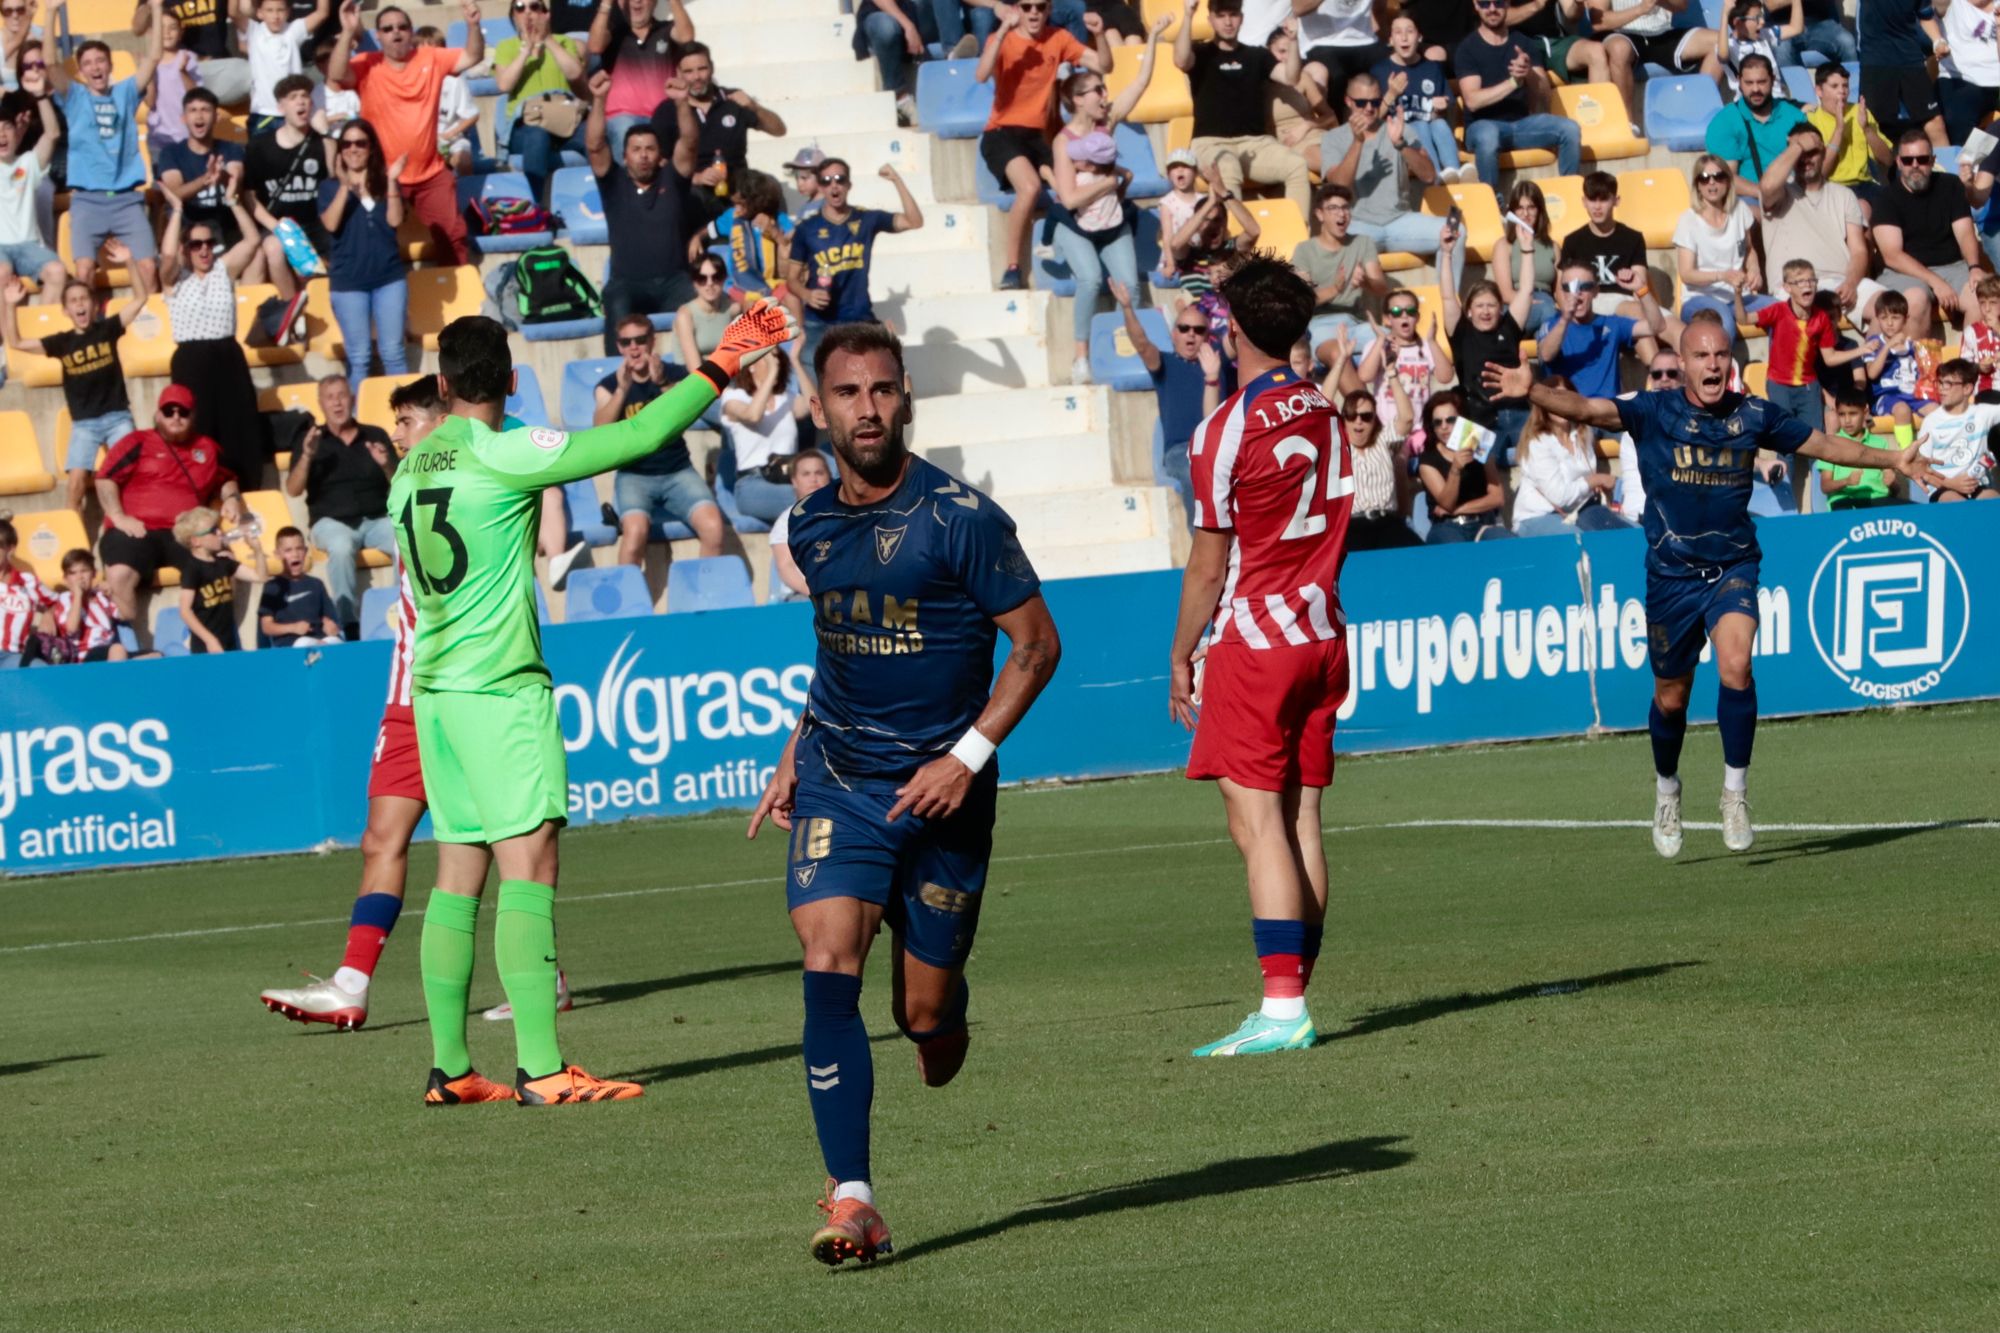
[[548, 287]]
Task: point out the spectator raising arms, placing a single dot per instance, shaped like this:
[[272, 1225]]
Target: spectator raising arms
[[646, 210], [809, 473], [283, 170], [273, 42], [178, 74], [640, 54], [724, 118], [761, 412], [201, 169], [343, 470], [1190, 380], [832, 252], [201, 312], [1506, 98], [1231, 81], [1808, 217], [539, 72], [400, 88], [93, 380], [361, 208], [295, 610], [204, 31], [18, 33], [107, 175], [209, 575], [148, 480], [1561, 486], [1583, 346], [1093, 234], [1396, 353], [1484, 331], [1022, 61]]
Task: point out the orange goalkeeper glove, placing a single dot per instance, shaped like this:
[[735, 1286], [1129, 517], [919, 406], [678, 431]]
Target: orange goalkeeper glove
[[756, 333]]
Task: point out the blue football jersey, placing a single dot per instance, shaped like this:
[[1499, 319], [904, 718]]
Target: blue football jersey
[[1698, 465], [904, 594]]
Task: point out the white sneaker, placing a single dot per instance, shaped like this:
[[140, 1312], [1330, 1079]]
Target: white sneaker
[[321, 1002], [1737, 835], [504, 1013], [1079, 371], [1667, 823], [562, 563], [1450, 175], [906, 111]]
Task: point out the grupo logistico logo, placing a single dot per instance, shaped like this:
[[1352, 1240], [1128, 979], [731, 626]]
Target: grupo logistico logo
[[1889, 610]]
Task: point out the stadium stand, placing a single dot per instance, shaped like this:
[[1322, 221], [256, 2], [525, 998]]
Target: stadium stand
[[22, 471], [611, 593], [718, 583]]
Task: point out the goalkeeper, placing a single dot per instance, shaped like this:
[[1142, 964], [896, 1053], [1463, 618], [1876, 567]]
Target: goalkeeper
[[465, 503]]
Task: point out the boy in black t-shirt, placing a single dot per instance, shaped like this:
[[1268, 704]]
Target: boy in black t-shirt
[[209, 575], [1232, 103], [282, 170], [184, 168], [296, 610], [93, 380], [1606, 246]]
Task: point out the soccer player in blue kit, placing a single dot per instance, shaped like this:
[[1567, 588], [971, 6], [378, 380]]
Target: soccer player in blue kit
[[1697, 453], [887, 784]]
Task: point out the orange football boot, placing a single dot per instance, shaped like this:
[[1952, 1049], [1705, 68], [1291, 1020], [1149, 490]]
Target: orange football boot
[[569, 1086], [465, 1090], [853, 1230]]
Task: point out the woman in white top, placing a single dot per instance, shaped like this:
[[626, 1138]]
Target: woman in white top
[[809, 473], [1381, 483], [1712, 245], [1969, 74], [1561, 488], [200, 284], [761, 411]]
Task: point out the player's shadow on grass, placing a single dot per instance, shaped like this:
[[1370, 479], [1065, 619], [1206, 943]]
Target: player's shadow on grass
[[1819, 844], [1237, 1175], [1438, 1006], [712, 1064], [613, 992], [34, 1066]]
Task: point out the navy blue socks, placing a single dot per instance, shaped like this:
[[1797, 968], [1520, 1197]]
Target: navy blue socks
[[840, 1072]]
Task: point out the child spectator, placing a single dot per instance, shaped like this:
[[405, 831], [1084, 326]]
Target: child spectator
[[1485, 331], [458, 114], [93, 381], [1892, 368], [178, 75], [274, 42], [1854, 141], [1747, 32], [296, 610], [86, 619], [282, 170], [337, 106], [1981, 343], [755, 227], [809, 473], [1396, 352], [21, 175], [107, 174], [1857, 488], [209, 575], [1607, 247], [1525, 228], [24, 601], [1177, 205], [1953, 439], [1802, 329], [1419, 86]]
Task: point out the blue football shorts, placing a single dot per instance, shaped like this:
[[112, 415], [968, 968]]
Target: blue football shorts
[[928, 875], [1681, 613]]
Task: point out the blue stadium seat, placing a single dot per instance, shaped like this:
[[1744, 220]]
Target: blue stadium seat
[[1678, 109], [1947, 159], [1135, 154], [501, 184], [573, 197], [1114, 362], [128, 636], [613, 593], [1768, 501], [586, 513], [725, 496], [951, 104], [497, 31], [579, 389], [1799, 85], [170, 633], [378, 613], [563, 330], [717, 583], [526, 403]]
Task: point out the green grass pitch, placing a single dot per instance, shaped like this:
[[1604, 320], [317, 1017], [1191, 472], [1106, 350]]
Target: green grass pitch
[[1561, 1084]]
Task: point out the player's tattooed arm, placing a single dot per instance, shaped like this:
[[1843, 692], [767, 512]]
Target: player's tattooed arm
[[939, 787], [1843, 452]]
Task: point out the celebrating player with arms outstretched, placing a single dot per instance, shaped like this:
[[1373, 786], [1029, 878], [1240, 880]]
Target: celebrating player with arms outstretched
[[465, 503], [887, 784], [1273, 486], [1697, 452]]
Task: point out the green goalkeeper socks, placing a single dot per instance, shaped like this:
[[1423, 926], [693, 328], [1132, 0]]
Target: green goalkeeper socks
[[524, 949], [446, 961]]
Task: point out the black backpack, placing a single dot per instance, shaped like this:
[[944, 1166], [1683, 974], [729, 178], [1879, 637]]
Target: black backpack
[[548, 287]]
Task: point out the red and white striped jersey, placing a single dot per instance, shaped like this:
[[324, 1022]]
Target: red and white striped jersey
[[406, 641], [100, 619], [1271, 465], [21, 596]]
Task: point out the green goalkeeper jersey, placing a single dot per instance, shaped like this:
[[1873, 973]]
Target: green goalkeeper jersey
[[465, 504]]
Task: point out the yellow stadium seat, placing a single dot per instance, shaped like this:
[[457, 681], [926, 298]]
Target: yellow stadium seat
[[107, 276], [148, 346], [322, 330], [1166, 97], [1401, 261], [233, 126], [271, 512], [371, 405], [1511, 159], [32, 368], [1600, 111], [1653, 201], [1755, 379], [22, 471], [1180, 133], [1204, 31], [414, 237], [45, 535], [1565, 200], [98, 18], [300, 397], [1280, 228], [1480, 209], [261, 353], [440, 295]]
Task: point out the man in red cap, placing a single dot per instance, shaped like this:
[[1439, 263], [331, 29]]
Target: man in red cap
[[148, 479]]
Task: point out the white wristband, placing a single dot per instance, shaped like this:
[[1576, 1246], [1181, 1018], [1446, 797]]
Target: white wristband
[[973, 749]]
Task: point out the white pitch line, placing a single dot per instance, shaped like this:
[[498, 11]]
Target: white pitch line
[[1907, 826]]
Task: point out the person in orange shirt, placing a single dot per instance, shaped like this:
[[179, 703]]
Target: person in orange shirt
[[399, 89], [1022, 60]]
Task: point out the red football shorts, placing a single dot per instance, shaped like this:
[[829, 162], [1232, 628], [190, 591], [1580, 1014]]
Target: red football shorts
[[396, 771], [1267, 714]]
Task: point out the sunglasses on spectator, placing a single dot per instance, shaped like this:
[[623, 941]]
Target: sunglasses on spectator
[[1579, 285], [176, 410], [1366, 101], [392, 27], [1190, 328], [1921, 159], [1444, 424], [14, 11], [1358, 416], [207, 532], [833, 180], [1032, 8], [354, 143], [1663, 374], [27, 65], [1489, 4], [201, 242], [1401, 311], [531, 9], [704, 279], [1710, 177]]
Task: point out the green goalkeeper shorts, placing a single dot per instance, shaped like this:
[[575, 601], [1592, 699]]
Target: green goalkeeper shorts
[[493, 764]]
